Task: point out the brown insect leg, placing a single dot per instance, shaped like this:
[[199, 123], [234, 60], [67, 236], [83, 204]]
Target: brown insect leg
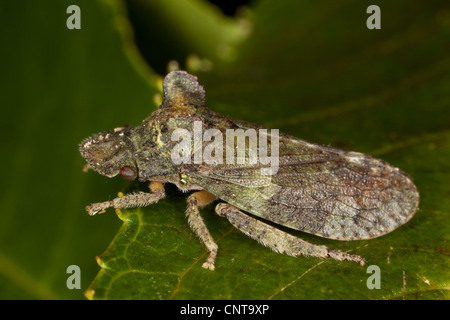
[[196, 200], [276, 239], [132, 200]]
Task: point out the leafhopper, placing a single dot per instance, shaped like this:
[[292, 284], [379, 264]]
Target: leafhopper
[[320, 190]]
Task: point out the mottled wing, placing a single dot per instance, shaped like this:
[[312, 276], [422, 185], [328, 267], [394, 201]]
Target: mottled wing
[[319, 190]]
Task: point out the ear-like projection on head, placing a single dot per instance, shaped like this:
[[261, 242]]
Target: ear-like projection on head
[[181, 88]]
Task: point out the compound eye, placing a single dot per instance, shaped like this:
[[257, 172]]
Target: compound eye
[[128, 173]]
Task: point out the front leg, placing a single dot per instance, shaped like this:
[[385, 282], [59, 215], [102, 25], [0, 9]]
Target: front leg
[[130, 201], [196, 200]]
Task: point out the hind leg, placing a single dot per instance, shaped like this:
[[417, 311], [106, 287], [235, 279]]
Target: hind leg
[[276, 239]]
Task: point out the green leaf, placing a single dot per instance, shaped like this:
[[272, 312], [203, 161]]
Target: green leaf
[[315, 71], [59, 86]]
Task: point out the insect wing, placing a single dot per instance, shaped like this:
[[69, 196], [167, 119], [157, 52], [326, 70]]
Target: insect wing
[[319, 190]]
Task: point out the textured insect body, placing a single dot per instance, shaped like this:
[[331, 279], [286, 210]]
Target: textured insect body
[[319, 190]]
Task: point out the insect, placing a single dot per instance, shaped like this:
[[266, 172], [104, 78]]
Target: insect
[[319, 190]]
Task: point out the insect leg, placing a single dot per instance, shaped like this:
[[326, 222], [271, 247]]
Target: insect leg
[[196, 200], [278, 240], [132, 200]]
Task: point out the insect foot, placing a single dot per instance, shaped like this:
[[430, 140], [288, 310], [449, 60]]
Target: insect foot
[[339, 255], [278, 240], [196, 200]]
